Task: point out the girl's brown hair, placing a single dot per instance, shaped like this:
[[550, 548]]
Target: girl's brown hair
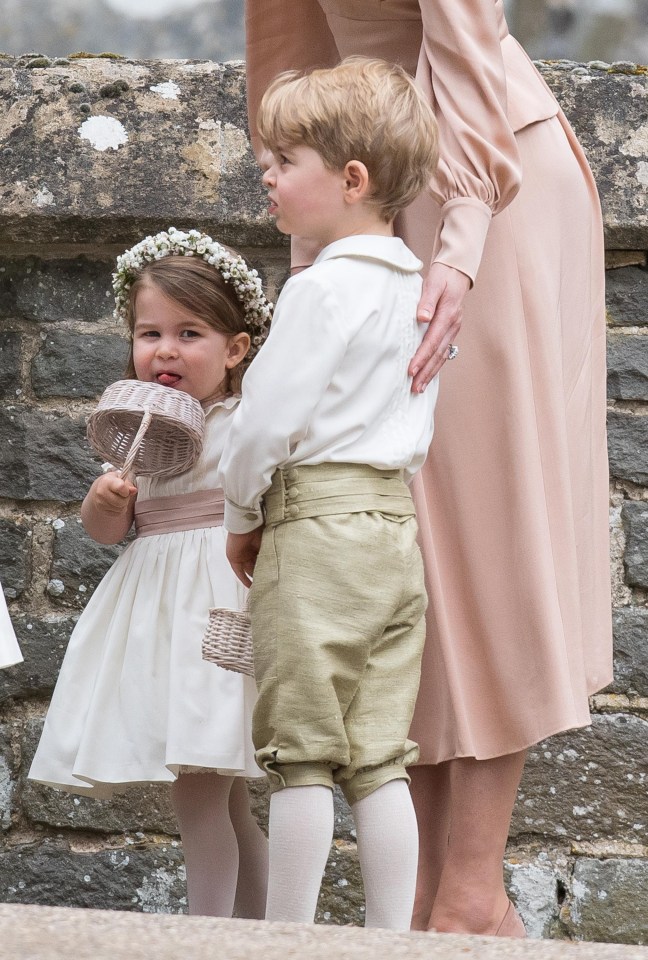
[[200, 289]]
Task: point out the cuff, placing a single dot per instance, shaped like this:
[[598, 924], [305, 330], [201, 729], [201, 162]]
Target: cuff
[[464, 228], [241, 519]]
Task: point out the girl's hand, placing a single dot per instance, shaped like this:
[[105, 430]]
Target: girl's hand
[[242, 550], [108, 509], [441, 306], [112, 494]]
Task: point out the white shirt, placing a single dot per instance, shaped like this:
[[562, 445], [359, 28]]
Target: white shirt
[[330, 384]]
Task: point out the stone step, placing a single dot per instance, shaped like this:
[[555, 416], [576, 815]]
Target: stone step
[[54, 933]]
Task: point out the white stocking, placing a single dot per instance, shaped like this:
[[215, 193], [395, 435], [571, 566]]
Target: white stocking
[[301, 832], [388, 853], [200, 801]]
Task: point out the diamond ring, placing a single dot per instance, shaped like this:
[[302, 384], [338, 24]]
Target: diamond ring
[[453, 351]]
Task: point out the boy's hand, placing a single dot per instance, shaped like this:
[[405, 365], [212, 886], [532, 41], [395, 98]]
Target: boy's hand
[[242, 550], [112, 494]]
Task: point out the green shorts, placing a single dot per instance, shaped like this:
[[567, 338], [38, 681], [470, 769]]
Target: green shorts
[[337, 608]]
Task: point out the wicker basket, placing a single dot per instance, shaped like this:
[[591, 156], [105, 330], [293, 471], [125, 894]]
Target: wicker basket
[[145, 428], [228, 640]]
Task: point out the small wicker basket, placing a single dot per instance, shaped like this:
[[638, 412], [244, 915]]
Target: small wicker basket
[[147, 429], [227, 641]]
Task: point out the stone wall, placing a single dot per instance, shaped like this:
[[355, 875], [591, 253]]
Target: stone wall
[[98, 152]]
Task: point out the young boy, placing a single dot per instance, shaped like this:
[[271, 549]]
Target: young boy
[[313, 476]]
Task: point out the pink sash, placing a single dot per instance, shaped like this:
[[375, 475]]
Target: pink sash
[[185, 511]]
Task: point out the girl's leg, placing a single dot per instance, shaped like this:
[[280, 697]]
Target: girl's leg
[[252, 887], [301, 833], [470, 896], [200, 801], [430, 790], [388, 853]]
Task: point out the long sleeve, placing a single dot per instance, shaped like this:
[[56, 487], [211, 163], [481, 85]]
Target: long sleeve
[[282, 389], [462, 71], [282, 35]]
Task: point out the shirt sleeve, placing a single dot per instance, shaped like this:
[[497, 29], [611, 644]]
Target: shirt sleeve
[[462, 71], [281, 390]]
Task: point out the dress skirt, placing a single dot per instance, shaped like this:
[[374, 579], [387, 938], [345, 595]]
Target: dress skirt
[[513, 498]]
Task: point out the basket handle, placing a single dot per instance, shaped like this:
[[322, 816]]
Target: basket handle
[[126, 472]]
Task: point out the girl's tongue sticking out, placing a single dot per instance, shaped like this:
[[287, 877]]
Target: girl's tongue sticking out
[[168, 379]]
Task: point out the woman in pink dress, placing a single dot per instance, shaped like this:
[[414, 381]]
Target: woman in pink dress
[[513, 499]]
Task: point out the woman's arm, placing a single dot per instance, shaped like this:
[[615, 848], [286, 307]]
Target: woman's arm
[[108, 509], [284, 35], [462, 71]]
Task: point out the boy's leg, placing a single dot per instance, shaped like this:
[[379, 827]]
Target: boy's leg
[[301, 833], [388, 852]]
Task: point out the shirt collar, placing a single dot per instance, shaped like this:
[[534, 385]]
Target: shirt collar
[[390, 250]]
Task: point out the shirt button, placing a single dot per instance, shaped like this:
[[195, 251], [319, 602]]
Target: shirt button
[[251, 516], [292, 475], [293, 510], [293, 493]]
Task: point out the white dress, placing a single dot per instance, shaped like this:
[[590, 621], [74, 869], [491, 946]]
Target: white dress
[[9, 649], [135, 701]]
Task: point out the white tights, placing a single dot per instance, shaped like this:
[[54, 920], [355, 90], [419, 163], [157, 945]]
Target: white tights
[[226, 853], [301, 831]]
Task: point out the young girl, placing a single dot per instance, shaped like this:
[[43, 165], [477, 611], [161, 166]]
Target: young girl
[[135, 702]]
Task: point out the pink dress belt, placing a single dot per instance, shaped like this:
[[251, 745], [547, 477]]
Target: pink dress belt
[[185, 511]]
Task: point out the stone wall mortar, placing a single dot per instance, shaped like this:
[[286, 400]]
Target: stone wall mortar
[[577, 862]]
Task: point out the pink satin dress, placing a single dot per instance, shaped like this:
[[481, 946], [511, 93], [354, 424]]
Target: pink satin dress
[[513, 499]]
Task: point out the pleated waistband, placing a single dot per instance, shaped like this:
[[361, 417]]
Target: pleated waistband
[[185, 511], [325, 489]]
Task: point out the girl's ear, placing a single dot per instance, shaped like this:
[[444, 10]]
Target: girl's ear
[[356, 181], [237, 347]]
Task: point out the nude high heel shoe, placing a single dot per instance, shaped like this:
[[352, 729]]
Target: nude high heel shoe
[[511, 925]]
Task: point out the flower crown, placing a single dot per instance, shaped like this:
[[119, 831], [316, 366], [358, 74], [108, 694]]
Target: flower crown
[[233, 269]]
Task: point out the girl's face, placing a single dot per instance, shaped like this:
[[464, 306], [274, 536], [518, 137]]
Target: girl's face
[[176, 349]]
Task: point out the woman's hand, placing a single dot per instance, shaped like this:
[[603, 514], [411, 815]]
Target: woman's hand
[[441, 306]]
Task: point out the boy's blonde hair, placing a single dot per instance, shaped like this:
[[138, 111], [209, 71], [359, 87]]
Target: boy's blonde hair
[[363, 109]]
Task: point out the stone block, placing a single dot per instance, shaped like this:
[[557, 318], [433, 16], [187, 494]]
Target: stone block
[[609, 900], [45, 456], [626, 294], [587, 784], [105, 175], [10, 350], [628, 446], [75, 365], [635, 522], [341, 899], [15, 554], [7, 778], [142, 808], [49, 291], [43, 643], [148, 877], [78, 563], [627, 367], [631, 651], [536, 884]]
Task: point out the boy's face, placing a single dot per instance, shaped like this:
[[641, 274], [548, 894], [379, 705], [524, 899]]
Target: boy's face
[[306, 197]]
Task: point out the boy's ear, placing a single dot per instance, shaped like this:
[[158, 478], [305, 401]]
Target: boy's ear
[[356, 181]]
